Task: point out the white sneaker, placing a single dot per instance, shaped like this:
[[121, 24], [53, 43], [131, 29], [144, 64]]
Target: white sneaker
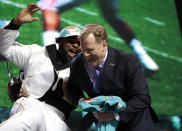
[[148, 64]]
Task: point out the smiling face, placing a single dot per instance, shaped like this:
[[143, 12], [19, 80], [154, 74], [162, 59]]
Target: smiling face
[[93, 51], [71, 45], [94, 43]]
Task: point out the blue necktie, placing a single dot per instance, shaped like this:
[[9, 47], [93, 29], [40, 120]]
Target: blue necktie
[[96, 79]]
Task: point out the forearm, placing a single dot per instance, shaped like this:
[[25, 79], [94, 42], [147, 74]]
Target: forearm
[[7, 38], [134, 106], [12, 25], [76, 96], [73, 89], [138, 92], [10, 49]]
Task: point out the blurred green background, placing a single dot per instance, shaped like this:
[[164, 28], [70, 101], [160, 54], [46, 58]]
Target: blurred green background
[[155, 24]]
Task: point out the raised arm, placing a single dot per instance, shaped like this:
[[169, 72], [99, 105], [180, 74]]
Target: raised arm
[[13, 51]]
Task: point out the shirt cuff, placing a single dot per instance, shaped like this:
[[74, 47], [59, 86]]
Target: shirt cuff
[[12, 26], [117, 117], [80, 101]]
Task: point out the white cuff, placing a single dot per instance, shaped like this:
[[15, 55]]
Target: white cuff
[[117, 117], [80, 101]]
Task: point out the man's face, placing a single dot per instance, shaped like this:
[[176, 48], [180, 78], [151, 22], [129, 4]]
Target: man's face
[[71, 46], [93, 51]]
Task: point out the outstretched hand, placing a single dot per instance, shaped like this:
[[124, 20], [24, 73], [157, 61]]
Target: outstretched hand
[[25, 16]]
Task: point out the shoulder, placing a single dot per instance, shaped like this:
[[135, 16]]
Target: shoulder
[[76, 60], [36, 47], [77, 63], [36, 50], [120, 55]]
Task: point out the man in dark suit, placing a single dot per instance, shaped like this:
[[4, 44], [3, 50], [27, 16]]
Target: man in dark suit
[[119, 74]]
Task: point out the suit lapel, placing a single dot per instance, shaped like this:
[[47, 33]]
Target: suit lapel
[[85, 76], [108, 68]]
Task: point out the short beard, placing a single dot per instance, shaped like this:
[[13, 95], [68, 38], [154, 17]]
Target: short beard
[[63, 54]]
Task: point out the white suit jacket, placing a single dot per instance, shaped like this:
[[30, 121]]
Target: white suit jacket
[[34, 60]]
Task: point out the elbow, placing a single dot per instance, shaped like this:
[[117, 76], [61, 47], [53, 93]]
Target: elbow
[[146, 100]]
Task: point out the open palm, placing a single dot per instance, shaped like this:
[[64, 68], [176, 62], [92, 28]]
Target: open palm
[[25, 16]]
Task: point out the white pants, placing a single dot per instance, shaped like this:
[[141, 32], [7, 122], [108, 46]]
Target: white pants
[[29, 114]]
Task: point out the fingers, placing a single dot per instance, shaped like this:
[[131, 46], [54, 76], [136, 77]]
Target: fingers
[[33, 8], [96, 115], [34, 11], [35, 18], [103, 116], [25, 16]]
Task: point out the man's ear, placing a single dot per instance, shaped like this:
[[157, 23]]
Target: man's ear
[[105, 44], [61, 42]]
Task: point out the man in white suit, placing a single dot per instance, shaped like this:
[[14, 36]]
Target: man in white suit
[[42, 105]]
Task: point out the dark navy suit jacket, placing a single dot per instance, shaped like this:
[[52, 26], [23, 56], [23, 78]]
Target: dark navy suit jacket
[[122, 76]]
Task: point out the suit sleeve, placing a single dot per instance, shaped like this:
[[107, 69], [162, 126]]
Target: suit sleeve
[[13, 51], [138, 91], [74, 90]]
